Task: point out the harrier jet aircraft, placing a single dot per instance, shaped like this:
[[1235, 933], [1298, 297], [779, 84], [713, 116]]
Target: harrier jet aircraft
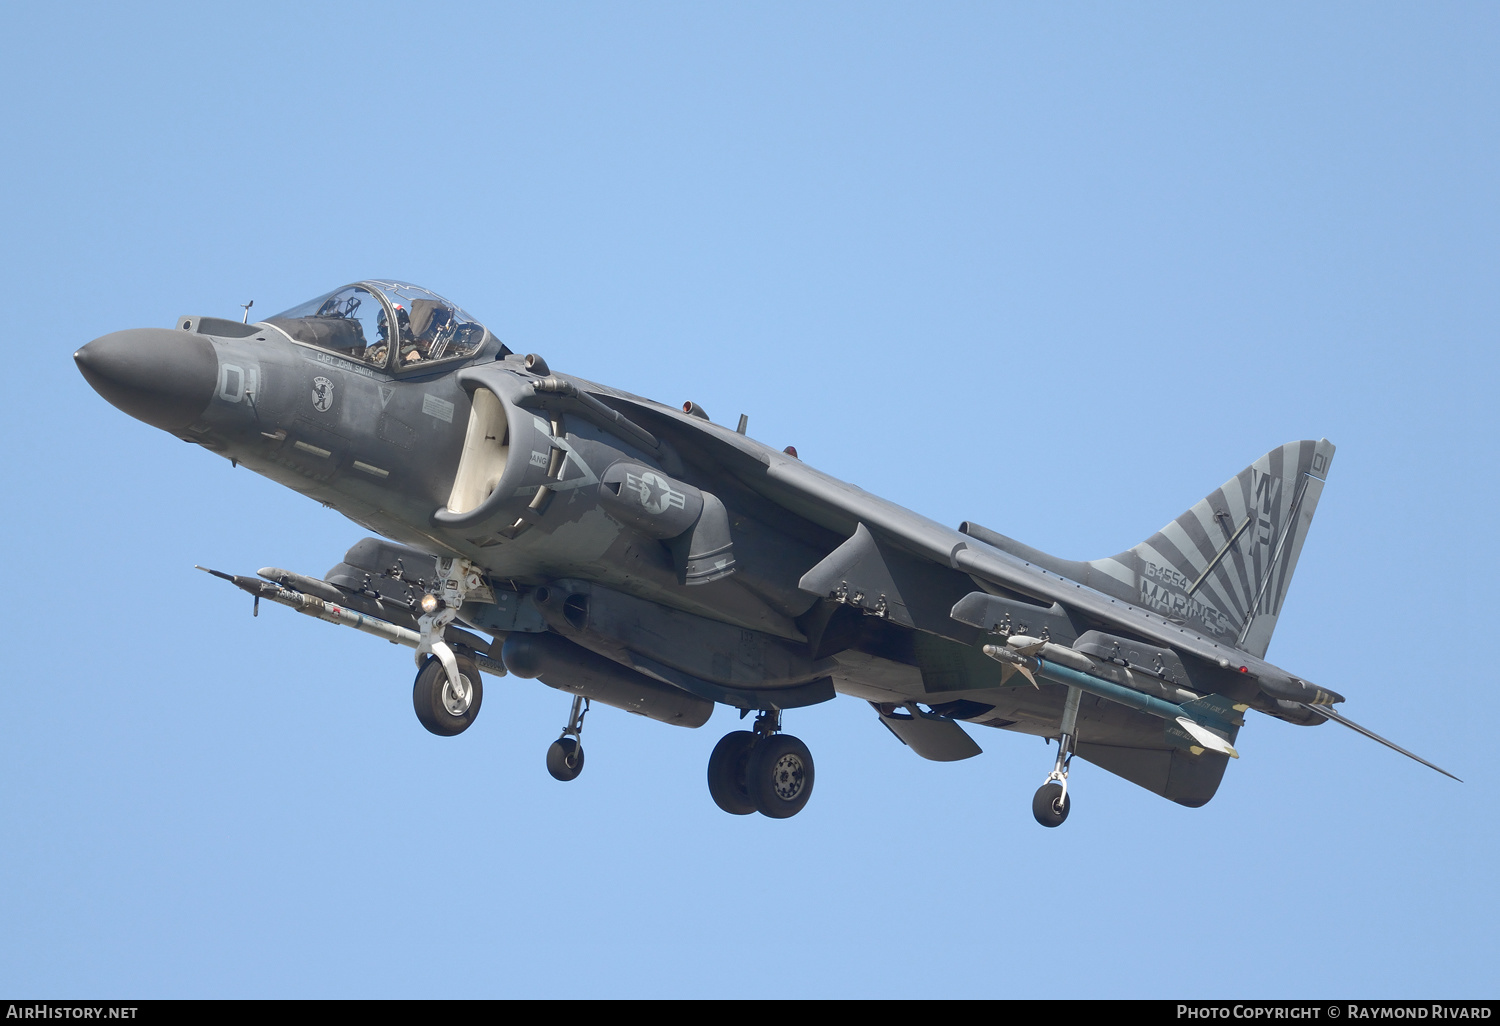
[[642, 556]]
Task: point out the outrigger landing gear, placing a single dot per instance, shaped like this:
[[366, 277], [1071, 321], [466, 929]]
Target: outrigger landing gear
[[1050, 803], [762, 771], [565, 756]]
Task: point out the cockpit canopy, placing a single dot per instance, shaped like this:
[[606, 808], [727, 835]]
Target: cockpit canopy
[[356, 322]]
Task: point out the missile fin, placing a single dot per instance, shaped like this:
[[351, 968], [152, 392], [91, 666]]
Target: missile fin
[[1207, 738], [1025, 645]]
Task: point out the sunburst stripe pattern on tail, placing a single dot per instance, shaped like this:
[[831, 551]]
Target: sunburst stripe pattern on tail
[[1225, 564]]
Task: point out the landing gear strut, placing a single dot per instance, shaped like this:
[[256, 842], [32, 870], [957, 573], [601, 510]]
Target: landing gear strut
[[1050, 803], [447, 690], [762, 771], [565, 756]]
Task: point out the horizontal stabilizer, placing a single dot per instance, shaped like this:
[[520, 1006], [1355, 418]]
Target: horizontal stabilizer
[[1323, 710]]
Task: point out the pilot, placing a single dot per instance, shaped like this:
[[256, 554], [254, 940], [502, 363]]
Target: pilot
[[403, 333], [413, 346], [422, 330]]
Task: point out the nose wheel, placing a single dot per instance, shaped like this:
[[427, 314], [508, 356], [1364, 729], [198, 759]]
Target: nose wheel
[[442, 707], [761, 771], [565, 755]]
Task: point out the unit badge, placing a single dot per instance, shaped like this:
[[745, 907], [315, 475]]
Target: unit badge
[[322, 394]]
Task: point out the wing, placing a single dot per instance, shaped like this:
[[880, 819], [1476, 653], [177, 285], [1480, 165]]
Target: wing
[[904, 569], [843, 508]]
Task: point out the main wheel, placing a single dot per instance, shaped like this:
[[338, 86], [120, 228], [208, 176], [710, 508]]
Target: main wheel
[[565, 758], [726, 773], [443, 709], [779, 776], [1050, 804]]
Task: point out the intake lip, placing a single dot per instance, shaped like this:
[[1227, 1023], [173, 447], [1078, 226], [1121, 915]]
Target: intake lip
[[163, 377]]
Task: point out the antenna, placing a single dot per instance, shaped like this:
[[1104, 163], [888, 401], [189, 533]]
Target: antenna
[[246, 307]]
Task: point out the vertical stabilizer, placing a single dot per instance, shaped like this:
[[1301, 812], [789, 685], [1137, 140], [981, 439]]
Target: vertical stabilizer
[[1223, 567]]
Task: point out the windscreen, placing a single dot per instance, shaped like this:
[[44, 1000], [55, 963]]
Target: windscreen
[[349, 321]]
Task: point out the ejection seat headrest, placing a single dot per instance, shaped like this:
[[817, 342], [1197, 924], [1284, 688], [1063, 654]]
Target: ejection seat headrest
[[428, 313]]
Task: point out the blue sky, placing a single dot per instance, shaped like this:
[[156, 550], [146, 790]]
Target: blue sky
[[1059, 270]]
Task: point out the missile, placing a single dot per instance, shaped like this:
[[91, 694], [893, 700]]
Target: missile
[[333, 612], [1022, 654], [1030, 656], [300, 582], [1014, 662]]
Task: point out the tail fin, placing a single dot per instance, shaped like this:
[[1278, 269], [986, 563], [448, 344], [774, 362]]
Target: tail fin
[[1225, 564]]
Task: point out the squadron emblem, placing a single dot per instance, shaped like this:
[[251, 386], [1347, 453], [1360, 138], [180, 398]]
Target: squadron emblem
[[322, 395]]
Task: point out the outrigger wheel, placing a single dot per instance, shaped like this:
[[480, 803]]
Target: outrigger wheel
[[443, 709], [565, 758], [1050, 804], [565, 755]]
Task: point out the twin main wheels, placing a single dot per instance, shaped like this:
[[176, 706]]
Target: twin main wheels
[[770, 775]]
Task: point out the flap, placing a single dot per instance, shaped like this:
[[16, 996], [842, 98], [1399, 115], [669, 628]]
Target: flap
[[932, 737]]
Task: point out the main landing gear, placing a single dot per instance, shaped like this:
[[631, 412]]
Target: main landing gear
[[565, 756], [1050, 803], [761, 770]]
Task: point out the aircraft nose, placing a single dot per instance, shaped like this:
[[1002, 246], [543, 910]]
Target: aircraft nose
[[161, 376]]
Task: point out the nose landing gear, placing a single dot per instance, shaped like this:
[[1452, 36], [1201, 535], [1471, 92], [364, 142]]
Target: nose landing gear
[[761, 771], [442, 707], [447, 690], [565, 755]]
